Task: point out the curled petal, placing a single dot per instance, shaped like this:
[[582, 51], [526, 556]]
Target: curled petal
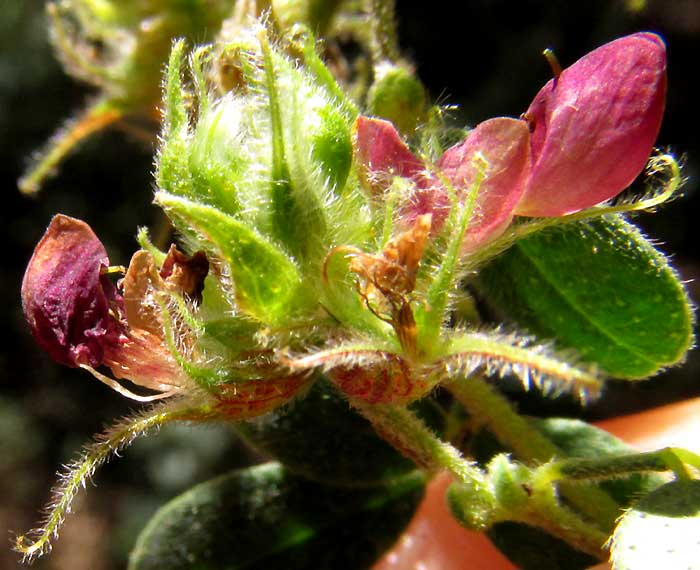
[[504, 145], [593, 127], [185, 274], [143, 358], [382, 154], [141, 279], [65, 297]]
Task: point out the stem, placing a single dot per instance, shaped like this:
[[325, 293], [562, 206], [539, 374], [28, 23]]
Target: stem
[[95, 118], [384, 41], [407, 433], [38, 541], [563, 523], [475, 496], [668, 459], [490, 408]]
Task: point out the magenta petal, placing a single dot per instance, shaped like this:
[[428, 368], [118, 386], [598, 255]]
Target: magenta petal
[[595, 125], [382, 154], [505, 145], [65, 299]]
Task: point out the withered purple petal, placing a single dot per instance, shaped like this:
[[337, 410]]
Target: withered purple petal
[[65, 298]]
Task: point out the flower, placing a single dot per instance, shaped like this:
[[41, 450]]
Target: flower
[[67, 298], [82, 320], [593, 126], [586, 136], [502, 142]]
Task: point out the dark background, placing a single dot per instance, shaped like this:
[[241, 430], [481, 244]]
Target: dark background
[[483, 55]]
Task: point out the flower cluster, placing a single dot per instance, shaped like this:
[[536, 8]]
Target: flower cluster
[[585, 137], [321, 248]]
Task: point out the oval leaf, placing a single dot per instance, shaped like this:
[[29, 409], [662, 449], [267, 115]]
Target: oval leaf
[[600, 288], [661, 531], [264, 518]]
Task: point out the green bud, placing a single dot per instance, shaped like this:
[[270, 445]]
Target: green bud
[[398, 96], [509, 483], [267, 166]]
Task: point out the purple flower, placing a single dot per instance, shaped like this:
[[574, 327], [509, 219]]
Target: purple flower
[[502, 142], [593, 126]]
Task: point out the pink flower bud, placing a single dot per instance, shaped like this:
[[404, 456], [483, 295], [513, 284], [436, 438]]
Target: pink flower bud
[[593, 126]]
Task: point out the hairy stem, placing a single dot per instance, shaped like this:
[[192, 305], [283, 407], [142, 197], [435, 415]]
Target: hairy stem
[[407, 433], [95, 118], [668, 459], [385, 45], [76, 475], [491, 409]]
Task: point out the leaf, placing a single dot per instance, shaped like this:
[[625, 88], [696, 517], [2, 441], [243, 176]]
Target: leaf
[[599, 287], [661, 531], [264, 518], [577, 438], [267, 283], [533, 549], [321, 438]]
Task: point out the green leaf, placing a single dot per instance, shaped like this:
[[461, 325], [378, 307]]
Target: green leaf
[[577, 438], [321, 438], [661, 531], [264, 518], [533, 549], [267, 283], [600, 288]]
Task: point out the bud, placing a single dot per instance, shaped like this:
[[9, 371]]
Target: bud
[[593, 126], [398, 96]]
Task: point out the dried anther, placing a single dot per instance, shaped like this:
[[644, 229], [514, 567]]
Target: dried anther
[[386, 279]]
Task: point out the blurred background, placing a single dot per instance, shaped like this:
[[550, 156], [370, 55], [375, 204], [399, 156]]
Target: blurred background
[[486, 59]]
